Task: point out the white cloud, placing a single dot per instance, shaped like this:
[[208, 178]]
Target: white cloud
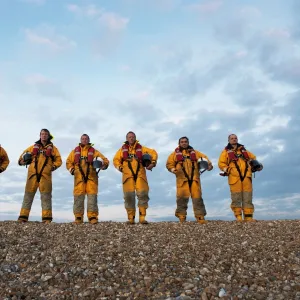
[[113, 21], [207, 7], [47, 37]]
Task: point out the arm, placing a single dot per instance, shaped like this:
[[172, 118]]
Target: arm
[[21, 160], [154, 157], [105, 160], [57, 162], [223, 161], [70, 163], [117, 161], [171, 163], [5, 160], [200, 154]]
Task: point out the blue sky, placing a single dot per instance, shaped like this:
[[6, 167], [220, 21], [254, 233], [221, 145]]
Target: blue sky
[[163, 69]]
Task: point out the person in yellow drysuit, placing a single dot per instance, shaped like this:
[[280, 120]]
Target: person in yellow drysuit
[[183, 162], [44, 159], [80, 163], [4, 160], [235, 162], [130, 161]]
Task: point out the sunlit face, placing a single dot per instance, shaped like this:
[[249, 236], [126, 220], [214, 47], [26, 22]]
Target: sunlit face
[[233, 140], [131, 138], [184, 143], [44, 135], [84, 140]]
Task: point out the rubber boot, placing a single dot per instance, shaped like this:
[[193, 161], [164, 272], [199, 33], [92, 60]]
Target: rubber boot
[[92, 217], [24, 214], [142, 215], [238, 213], [131, 216], [248, 215], [78, 219], [201, 220]]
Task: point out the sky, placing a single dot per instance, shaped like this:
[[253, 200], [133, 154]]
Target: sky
[[163, 69]]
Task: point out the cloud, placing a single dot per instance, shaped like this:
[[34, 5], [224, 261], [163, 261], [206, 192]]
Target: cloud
[[111, 20], [45, 86], [207, 7], [46, 36]]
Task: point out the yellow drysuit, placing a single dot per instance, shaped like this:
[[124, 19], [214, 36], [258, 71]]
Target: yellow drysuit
[[187, 187], [240, 188], [134, 186], [40, 176], [85, 183], [4, 160]]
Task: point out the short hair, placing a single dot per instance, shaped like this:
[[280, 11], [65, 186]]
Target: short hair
[[183, 137], [86, 136], [49, 134], [231, 135], [130, 132]]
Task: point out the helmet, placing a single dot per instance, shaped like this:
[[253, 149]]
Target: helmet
[[27, 157], [97, 163], [202, 164], [255, 165], [146, 160]]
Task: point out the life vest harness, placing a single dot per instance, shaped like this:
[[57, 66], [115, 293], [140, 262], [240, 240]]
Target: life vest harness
[[180, 158], [38, 150], [89, 160], [126, 156], [233, 156]]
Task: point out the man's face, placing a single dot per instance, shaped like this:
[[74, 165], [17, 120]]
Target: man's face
[[184, 143], [131, 138], [44, 136], [233, 140], [84, 140]]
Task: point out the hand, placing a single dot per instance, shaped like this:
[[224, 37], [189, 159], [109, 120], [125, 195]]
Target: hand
[[174, 171], [150, 167], [104, 167], [210, 167], [21, 162]]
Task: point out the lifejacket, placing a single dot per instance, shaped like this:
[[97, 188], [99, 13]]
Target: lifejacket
[[138, 151], [180, 157], [232, 155], [90, 155], [36, 150]]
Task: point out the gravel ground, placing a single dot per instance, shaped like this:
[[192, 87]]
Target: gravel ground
[[165, 260]]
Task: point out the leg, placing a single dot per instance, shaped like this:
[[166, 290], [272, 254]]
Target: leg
[[30, 190], [182, 198], [142, 192], [248, 206], [129, 199], [78, 206], [92, 202], [45, 188], [92, 208], [198, 204], [236, 199]]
